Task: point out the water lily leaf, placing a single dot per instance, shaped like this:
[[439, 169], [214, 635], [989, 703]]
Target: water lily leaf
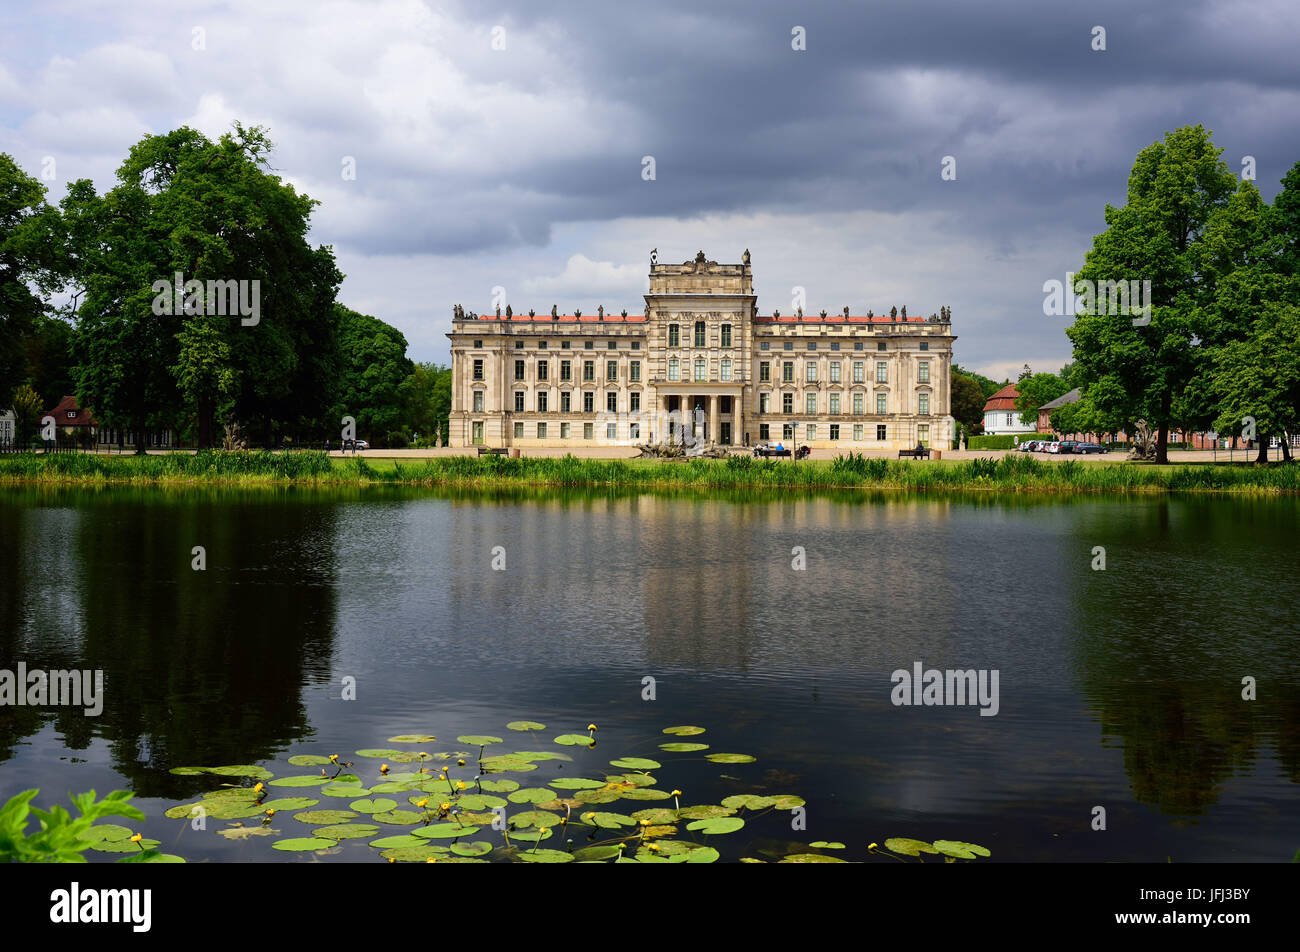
[[351, 791], [416, 854], [730, 758], [749, 802], [823, 845], [478, 740], [656, 815], [123, 846], [959, 849], [308, 760], [185, 811], [635, 779], [470, 818], [683, 748], [811, 858], [231, 793], [750, 859], [705, 854], [595, 853], [242, 770], [379, 753], [302, 781], [526, 726], [609, 821], [717, 825], [704, 811], [641, 793], [443, 831], [303, 844], [787, 802], [537, 818], [531, 755], [188, 771], [647, 855], [575, 740], [908, 847], [391, 842], [461, 859], [546, 856], [345, 831], [412, 739], [398, 817], [684, 731], [289, 803], [636, 763], [576, 783], [318, 817], [231, 809], [534, 835], [377, 805], [240, 832], [405, 756], [506, 763], [481, 801], [599, 796], [393, 786], [476, 848], [106, 833], [662, 830], [499, 786], [529, 795]]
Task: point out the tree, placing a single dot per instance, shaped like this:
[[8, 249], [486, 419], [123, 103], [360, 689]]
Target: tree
[[988, 387], [375, 368], [1174, 189], [427, 398], [967, 402], [1036, 390], [28, 409], [1256, 381]]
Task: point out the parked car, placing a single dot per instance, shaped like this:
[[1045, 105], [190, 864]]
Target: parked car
[[1052, 446], [1086, 448], [1027, 446], [1067, 446]]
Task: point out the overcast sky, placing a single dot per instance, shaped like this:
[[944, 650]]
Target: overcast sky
[[522, 167]]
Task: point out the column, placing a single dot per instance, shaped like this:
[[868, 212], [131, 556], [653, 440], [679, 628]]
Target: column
[[738, 418], [714, 433]]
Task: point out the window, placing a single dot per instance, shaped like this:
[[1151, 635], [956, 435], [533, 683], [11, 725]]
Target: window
[[925, 345], [764, 432], [634, 431], [764, 371], [1008, 419], [588, 370], [541, 345], [810, 431], [566, 370], [588, 345], [634, 401], [811, 371], [810, 403], [858, 370], [835, 345], [923, 404], [611, 431], [882, 372], [519, 431], [787, 372], [835, 403], [835, 431], [478, 369], [566, 401], [788, 345], [611, 401], [588, 402], [674, 369], [699, 333], [611, 370], [923, 372], [787, 403], [588, 430], [634, 371], [478, 432], [613, 345], [674, 336], [923, 435], [543, 401], [724, 404], [541, 431], [519, 401], [726, 335], [857, 432], [857, 345], [724, 372], [700, 369], [478, 401], [519, 345], [764, 401], [566, 429], [543, 369], [880, 345], [519, 370], [835, 371], [764, 345], [881, 429], [857, 403], [787, 431], [636, 345], [880, 403], [565, 345], [478, 345], [812, 345]]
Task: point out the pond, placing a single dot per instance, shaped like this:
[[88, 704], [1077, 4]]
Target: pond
[[329, 622]]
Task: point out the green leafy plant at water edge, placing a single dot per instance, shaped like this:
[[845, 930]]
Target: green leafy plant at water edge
[[63, 838]]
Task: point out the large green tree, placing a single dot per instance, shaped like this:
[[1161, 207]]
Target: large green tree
[[967, 401], [374, 375], [1036, 390], [1174, 190]]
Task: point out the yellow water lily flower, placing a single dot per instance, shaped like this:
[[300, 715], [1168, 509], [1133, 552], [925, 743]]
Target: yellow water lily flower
[[334, 758], [461, 785], [423, 803], [271, 812], [383, 769], [652, 846], [591, 727], [446, 806], [460, 763], [137, 838], [431, 860], [675, 793]]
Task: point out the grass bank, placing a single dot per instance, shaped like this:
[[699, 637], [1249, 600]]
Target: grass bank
[[1011, 473]]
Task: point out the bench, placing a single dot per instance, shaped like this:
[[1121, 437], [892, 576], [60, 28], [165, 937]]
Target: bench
[[493, 451], [914, 454], [765, 452]]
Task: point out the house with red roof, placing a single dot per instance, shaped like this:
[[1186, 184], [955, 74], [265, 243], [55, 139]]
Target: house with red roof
[[1001, 418]]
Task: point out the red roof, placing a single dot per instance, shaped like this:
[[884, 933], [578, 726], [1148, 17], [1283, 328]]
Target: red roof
[[79, 417], [547, 319], [1004, 399], [838, 319]]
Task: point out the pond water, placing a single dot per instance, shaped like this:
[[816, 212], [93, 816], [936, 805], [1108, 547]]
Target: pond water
[[1118, 688]]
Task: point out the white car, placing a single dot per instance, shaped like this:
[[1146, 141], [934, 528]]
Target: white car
[[1052, 447]]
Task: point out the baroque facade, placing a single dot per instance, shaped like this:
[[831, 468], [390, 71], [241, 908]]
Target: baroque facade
[[700, 362]]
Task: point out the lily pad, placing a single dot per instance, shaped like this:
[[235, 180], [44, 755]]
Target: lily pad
[[106, 833], [481, 801], [537, 818], [391, 786], [636, 763], [499, 786], [415, 854], [531, 755], [345, 831], [576, 783], [533, 836], [185, 811], [526, 726], [749, 802], [318, 817], [717, 825], [529, 795], [635, 779], [824, 845], [788, 802], [684, 731], [444, 831], [656, 815], [303, 844], [731, 758], [642, 793], [242, 770], [811, 858], [379, 753], [908, 847], [412, 739], [506, 763], [478, 740], [398, 817], [609, 821], [546, 856], [475, 848], [959, 849], [308, 760], [305, 780], [377, 805], [351, 791], [123, 846], [683, 748], [595, 853], [392, 842], [289, 803], [599, 796], [575, 740], [705, 854], [188, 771], [704, 811]]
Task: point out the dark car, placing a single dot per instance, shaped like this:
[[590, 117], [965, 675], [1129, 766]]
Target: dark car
[[1068, 446], [1085, 448]]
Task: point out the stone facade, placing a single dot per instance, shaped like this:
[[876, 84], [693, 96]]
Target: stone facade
[[700, 361]]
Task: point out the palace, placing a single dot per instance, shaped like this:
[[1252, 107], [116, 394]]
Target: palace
[[700, 362]]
